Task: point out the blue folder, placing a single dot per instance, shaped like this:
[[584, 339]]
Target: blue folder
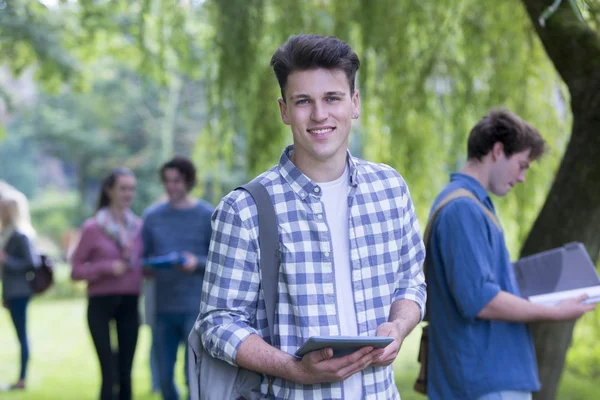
[[165, 261]]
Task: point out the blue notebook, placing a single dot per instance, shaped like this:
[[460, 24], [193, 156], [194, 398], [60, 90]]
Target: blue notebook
[[166, 261]]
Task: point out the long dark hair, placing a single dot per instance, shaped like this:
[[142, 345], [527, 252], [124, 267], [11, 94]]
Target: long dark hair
[[108, 182]]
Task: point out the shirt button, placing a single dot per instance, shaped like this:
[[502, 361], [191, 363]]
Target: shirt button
[[326, 254], [316, 189], [302, 194], [319, 216]]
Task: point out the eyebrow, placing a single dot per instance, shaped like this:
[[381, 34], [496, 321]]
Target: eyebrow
[[307, 96]]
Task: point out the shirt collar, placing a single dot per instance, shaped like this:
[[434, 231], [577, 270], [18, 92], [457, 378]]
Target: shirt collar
[[302, 184], [473, 185]]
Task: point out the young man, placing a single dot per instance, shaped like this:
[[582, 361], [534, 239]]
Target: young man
[[351, 252], [181, 224], [480, 347]]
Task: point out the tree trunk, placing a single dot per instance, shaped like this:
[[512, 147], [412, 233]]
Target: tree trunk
[[572, 210]]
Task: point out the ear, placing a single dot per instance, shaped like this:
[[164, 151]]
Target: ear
[[355, 105], [497, 151], [284, 111]]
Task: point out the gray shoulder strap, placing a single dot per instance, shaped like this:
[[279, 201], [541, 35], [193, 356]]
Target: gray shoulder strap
[[268, 240], [458, 193]]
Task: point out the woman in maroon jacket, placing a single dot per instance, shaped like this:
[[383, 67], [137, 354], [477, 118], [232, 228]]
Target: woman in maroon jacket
[[108, 257]]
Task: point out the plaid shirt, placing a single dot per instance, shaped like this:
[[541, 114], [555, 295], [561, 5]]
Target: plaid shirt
[[386, 254]]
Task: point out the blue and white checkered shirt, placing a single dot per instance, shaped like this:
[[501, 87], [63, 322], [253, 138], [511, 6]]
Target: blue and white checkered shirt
[[386, 254]]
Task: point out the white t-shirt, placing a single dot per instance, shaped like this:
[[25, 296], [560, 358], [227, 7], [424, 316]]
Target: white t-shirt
[[335, 199]]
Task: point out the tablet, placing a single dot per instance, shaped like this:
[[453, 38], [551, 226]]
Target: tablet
[[342, 345]]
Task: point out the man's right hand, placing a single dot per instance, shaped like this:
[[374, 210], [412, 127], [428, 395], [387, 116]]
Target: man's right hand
[[573, 308], [119, 267], [319, 366]]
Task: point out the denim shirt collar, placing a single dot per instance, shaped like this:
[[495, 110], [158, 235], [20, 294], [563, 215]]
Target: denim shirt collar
[[473, 185]]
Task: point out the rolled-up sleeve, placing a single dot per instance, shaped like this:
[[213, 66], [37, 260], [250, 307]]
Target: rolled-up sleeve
[[231, 284], [463, 242], [411, 285]]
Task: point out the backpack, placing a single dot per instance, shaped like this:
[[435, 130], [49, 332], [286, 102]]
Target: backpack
[[423, 356], [42, 276], [214, 379]]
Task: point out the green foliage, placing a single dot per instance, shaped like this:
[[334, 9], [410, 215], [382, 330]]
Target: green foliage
[[53, 213], [428, 73], [16, 158], [584, 355]]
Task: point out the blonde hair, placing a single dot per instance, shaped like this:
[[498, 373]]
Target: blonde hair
[[17, 208]]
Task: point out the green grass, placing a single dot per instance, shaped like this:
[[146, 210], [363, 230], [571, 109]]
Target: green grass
[[63, 363], [64, 366]]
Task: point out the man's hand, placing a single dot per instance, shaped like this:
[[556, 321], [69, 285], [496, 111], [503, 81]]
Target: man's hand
[[2, 256], [390, 352], [319, 366], [573, 308], [191, 262]]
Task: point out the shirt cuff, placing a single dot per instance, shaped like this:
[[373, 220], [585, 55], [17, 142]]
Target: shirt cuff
[[487, 292], [224, 343]]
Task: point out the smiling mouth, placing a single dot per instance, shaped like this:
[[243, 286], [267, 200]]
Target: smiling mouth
[[322, 131]]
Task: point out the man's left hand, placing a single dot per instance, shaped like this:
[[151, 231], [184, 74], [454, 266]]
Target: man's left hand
[[389, 329], [191, 262]]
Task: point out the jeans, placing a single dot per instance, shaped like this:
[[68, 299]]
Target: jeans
[[171, 330], [115, 367], [154, 371], [18, 312], [507, 395]]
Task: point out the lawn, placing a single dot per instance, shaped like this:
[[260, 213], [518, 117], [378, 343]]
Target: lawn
[[63, 363]]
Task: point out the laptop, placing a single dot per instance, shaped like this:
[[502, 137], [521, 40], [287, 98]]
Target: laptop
[[559, 274]]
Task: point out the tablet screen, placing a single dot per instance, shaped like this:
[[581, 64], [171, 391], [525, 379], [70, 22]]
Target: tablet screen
[[342, 345]]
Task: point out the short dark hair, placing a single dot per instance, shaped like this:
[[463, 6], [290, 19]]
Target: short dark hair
[[107, 183], [184, 166], [304, 52], [504, 126]]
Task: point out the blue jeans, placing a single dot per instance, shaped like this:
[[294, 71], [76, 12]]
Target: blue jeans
[[171, 330], [507, 395], [18, 312], [154, 371]]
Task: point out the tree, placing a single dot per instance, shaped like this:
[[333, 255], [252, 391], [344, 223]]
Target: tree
[[572, 209]]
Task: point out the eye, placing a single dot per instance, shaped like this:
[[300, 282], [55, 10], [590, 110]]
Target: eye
[[302, 101], [331, 99]]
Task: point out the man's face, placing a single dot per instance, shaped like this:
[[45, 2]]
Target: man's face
[[319, 109], [174, 184], [507, 172]]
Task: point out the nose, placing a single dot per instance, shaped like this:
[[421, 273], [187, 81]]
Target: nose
[[521, 177], [319, 113]]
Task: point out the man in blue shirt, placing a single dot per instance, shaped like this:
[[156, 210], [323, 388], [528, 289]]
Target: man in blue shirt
[[479, 345], [350, 246], [181, 224]]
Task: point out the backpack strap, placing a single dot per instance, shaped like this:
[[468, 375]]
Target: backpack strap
[[268, 240], [458, 193]]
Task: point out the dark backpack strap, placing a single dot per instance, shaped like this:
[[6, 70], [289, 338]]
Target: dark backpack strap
[[268, 240]]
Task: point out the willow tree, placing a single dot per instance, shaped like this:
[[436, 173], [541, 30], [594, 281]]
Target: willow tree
[[429, 72]]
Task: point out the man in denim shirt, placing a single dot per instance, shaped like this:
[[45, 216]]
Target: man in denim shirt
[[480, 347], [351, 251]]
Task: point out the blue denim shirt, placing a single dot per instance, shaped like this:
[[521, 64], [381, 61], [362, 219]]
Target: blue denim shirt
[[467, 265]]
